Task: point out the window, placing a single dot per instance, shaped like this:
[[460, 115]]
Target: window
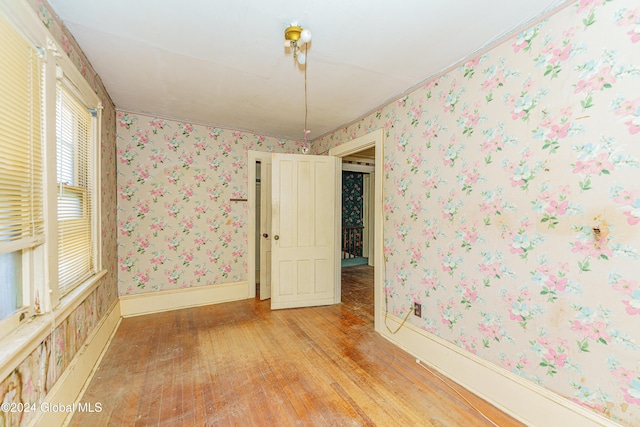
[[21, 170], [74, 189], [49, 173], [11, 285]]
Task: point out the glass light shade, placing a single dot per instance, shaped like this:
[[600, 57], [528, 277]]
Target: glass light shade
[[305, 36], [302, 58]]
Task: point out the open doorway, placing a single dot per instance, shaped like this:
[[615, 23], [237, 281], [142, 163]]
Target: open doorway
[[374, 141], [358, 197], [362, 284], [357, 237], [357, 260]]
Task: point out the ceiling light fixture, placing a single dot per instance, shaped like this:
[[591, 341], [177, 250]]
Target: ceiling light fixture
[[295, 38]]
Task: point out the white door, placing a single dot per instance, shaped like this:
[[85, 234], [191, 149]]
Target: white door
[[265, 229], [306, 228]]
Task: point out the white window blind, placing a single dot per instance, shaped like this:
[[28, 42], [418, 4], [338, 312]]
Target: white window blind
[[74, 176], [21, 161], [21, 191]]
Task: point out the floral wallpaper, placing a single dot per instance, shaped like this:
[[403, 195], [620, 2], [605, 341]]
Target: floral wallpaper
[[512, 204], [178, 225], [512, 208], [352, 199], [32, 380]]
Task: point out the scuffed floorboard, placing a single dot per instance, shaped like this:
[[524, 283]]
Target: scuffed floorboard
[[241, 364]]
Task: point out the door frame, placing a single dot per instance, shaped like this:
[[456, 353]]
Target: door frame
[[372, 139]]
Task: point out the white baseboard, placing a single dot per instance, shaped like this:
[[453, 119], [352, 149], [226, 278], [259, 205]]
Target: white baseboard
[[522, 399], [70, 384], [175, 299]]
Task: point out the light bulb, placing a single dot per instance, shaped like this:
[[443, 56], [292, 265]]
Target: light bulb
[[305, 36], [302, 58]]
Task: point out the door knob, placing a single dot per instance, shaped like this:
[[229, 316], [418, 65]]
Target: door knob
[[265, 235], [276, 237]]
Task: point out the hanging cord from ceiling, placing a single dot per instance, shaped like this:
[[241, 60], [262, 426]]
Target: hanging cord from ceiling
[[305, 148], [295, 37]]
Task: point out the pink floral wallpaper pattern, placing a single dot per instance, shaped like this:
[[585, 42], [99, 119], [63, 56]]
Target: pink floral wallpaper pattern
[[512, 204], [32, 380], [511, 208], [178, 226]]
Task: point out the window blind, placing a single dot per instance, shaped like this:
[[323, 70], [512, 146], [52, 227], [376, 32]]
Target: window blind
[[73, 154], [21, 167]]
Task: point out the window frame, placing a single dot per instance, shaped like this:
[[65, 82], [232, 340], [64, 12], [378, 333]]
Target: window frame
[[32, 252], [66, 74], [30, 281], [40, 290], [91, 190]]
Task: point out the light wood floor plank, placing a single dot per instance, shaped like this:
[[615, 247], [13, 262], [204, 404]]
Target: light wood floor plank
[[241, 364]]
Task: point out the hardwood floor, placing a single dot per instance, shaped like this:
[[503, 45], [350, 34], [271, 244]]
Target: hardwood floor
[[241, 364]]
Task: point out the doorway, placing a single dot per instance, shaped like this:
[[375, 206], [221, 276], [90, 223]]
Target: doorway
[[358, 208], [370, 148], [373, 140], [357, 272]]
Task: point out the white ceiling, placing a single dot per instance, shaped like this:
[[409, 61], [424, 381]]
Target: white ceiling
[[224, 63]]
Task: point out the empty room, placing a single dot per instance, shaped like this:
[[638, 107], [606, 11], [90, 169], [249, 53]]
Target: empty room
[[320, 213]]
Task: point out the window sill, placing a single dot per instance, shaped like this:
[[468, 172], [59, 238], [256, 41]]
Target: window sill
[[19, 344]]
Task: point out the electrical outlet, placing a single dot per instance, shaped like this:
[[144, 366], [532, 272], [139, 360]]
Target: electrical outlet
[[417, 309]]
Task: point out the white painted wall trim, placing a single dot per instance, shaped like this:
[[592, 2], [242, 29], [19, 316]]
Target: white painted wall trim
[[176, 299], [522, 399], [69, 387], [352, 167]]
